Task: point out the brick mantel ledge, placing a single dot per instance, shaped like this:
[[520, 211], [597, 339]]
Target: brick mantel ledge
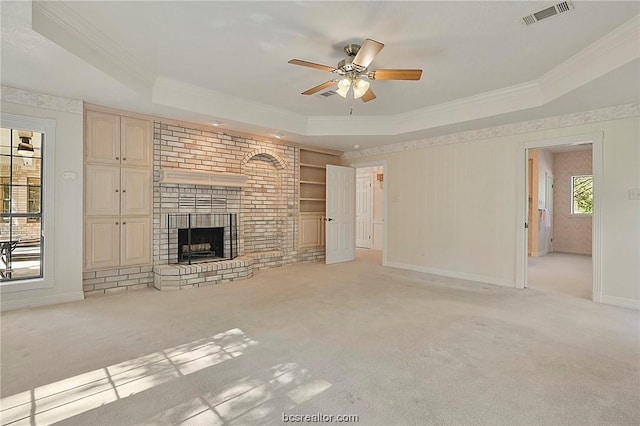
[[190, 177]]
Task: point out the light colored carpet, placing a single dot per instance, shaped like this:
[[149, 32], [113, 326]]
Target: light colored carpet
[[565, 273], [393, 347]]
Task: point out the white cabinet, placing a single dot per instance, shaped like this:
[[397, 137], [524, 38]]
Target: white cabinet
[[102, 190], [114, 139], [112, 190], [311, 229], [118, 191], [102, 137], [102, 243], [117, 241], [135, 234]]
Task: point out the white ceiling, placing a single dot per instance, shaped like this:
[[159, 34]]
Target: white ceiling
[[227, 61]]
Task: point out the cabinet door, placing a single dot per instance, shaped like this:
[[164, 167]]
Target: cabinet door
[[102, 190], [135, 238], [102, 137], [136, 142], [102, 243], [311, 230], [135, 186]]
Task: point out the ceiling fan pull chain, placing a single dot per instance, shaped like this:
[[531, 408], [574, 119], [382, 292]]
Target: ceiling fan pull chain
[[351, 110]]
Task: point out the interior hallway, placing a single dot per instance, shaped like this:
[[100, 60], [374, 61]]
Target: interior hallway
[[564, 273], [391, 346]]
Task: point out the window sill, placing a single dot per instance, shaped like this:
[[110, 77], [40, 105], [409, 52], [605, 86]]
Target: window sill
[[23, 285], [578, 215]]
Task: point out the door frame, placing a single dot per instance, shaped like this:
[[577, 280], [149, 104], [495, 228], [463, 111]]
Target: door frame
[[385, 198], [596, 140]]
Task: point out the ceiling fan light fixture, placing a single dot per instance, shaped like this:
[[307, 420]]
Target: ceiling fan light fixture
[[343, 87], [360, 87]]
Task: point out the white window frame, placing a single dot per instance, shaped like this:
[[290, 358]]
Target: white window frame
[[48, 128], [574, 214]]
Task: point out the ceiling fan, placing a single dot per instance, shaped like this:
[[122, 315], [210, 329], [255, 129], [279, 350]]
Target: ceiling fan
[[354, 71]]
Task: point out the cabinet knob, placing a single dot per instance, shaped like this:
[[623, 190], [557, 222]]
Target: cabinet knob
[[117, 158], [124, 190], [124, 223], [124, 158], [117, 223], [117, 190]]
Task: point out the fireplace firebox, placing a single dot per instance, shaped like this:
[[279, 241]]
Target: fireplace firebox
[[202, 237], [200, 243]]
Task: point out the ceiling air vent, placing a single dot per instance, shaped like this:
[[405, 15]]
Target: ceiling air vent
[[565, 6]]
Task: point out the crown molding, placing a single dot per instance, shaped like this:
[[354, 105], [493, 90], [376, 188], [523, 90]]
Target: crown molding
[[610, 52], [178, 94], [580, 118], [59, 23], [39, 100]]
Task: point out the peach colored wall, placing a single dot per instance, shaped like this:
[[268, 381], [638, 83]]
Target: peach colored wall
[[571, 234]]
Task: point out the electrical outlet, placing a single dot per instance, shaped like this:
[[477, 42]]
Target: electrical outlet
[[634, 194]]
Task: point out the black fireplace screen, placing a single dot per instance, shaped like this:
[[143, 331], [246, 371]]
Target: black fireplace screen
[[202, 237]]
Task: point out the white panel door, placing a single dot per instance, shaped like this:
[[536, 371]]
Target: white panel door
[[364, 212], [340, 214]]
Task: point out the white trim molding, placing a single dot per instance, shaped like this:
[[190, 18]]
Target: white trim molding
[[40, 100], [41, 301], [502, 282], [575, 119], [61, 24], [621, 301], [521, 210], [48, 128]]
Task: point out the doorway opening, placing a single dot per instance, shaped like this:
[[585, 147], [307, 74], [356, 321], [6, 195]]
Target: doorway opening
[[370, 235], [560, 250]]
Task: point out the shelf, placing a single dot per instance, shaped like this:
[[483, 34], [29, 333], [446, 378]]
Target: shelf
[[312, 199], [310, 182], [315, 166]]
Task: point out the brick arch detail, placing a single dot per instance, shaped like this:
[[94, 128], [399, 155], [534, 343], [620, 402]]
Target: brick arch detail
[[275, 158]]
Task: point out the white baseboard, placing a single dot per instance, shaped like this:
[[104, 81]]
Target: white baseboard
[[454, 274], [621, 301], [29, 302]]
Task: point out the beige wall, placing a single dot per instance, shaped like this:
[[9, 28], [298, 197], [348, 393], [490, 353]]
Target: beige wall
[[571, 234], [452, 208], [68, 195]]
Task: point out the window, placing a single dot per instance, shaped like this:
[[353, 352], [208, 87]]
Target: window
[[33, 198], [6, 195], [21, 242], [582, 195]]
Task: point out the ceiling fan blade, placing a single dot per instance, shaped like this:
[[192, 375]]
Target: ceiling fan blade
[[368, 51], [368, 96], [395, 74], [319, 87], [312, 65]]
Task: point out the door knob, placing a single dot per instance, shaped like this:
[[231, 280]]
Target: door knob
[[328, 219]]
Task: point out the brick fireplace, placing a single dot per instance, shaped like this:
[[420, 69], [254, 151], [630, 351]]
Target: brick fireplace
[[253, 178], [199, 172]]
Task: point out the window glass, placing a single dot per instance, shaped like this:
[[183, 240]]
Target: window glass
[[581, 194], [21, 242]]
